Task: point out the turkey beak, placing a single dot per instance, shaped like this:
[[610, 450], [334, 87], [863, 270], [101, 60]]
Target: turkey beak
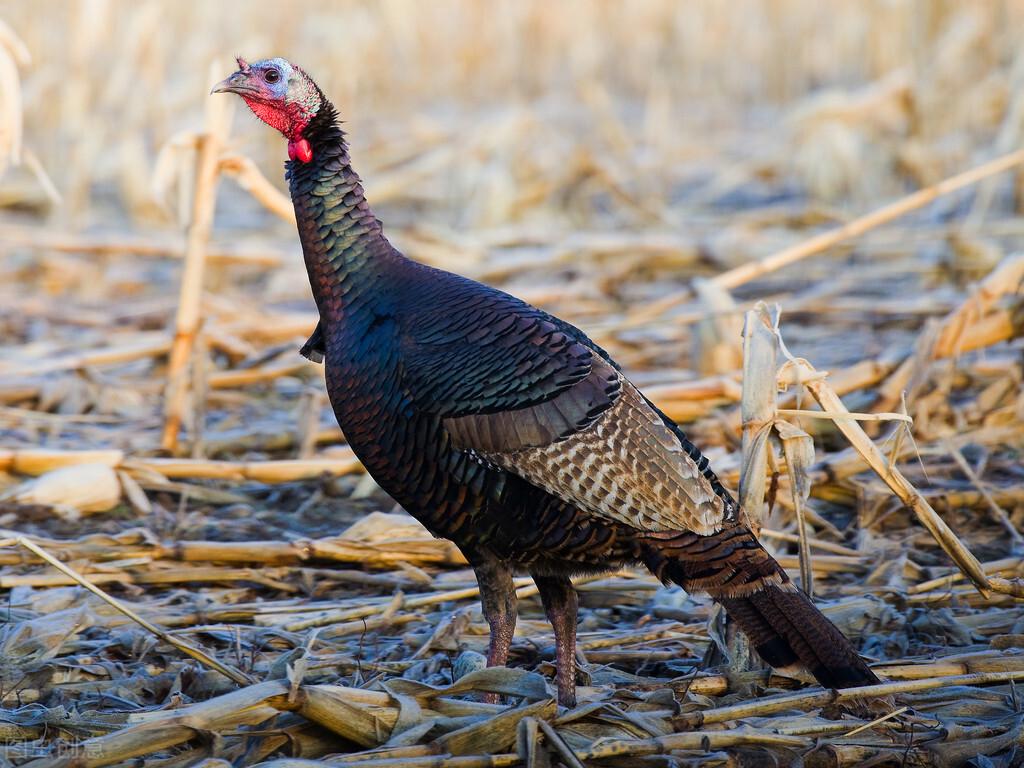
[[238, 83]]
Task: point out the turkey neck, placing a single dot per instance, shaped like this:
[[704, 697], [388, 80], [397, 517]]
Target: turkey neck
[[342, 241]]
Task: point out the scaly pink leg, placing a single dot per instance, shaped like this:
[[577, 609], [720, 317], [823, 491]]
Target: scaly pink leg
[[498, 601], [561, 604]]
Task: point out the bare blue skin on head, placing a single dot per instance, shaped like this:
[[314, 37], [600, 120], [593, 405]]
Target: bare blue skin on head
[[279, 93]]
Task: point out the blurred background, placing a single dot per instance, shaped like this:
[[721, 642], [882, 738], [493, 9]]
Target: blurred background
[[842, 101], [604, 160]]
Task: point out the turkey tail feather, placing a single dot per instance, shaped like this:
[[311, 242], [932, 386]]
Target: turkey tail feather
[[786, 628], [782, 623]]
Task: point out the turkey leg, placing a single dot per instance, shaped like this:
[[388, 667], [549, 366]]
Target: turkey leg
[[560, 603], [498, 601]]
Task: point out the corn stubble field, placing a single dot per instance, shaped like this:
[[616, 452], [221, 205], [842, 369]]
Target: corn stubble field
[[255, 599]]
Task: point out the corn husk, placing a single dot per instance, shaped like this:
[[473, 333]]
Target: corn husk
[[83, 488]]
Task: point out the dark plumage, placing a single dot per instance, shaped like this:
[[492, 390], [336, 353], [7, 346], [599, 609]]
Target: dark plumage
[[507, 430]]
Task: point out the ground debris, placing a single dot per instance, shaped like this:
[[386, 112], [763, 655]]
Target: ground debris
[[609, 183]]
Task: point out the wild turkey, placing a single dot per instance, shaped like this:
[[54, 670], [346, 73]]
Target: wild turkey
[[509, 431]]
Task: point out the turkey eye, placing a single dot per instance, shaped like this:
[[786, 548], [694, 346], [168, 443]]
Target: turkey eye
[[272, 76]]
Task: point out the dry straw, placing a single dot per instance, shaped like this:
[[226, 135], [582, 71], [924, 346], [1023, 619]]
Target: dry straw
[[599, 178], [820, 243], [199, 655], [13, 55], [189, 319]]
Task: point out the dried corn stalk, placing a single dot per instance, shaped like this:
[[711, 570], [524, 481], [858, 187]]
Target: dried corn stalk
[[763, 425], [13, 54], [189, 317], [757, 407], [719, 334], [800, 371]]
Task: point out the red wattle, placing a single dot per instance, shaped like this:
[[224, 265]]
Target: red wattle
[[300, 150]]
